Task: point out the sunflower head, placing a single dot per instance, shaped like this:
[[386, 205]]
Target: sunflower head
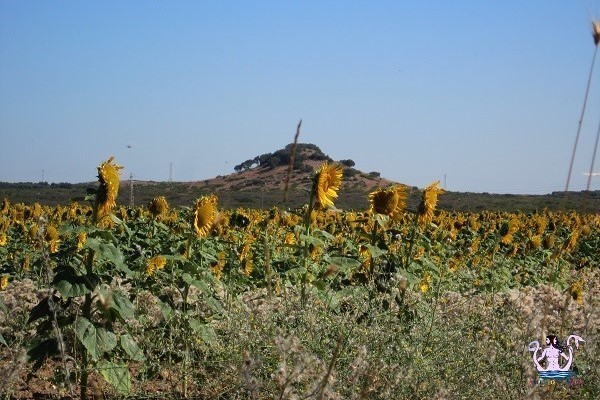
[[205, 213], [576, 291], [508, 230], [154, 264], [328, 180], [429, 202], [158, 206], [81, 239], [596, 31], [108, 177], [52, 238], [390, 202]]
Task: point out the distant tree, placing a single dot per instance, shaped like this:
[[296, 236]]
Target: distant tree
[[374, 174], [348, 163]]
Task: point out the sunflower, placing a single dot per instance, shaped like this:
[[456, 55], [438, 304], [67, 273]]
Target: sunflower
[[158, 206], [26, 266], [428, 202], [108, 176], [154, 264], [576, 291], [52, 238], [3, 282], [596, 31], [205, 213], [217, 267], [425, 282], [535, 242], [328, 181], [290, 238], [508, 229], [390, 202], [81, 239]]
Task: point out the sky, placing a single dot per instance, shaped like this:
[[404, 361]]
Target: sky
[[485, 96]]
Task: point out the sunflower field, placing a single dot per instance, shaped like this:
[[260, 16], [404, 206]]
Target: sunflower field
[[99, 300]]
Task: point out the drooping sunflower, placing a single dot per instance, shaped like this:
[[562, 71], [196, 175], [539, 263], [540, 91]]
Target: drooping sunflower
[[108, 177], [390, 202], [576, 291], [81, 239], [52, 238], [205, 213], [217, 267], [429, 202], [158, 206], [596, 31], [328, 181]]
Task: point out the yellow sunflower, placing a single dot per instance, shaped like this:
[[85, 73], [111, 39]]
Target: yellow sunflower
[[429, 202], [425, 282], [217, 267], [154, 264], [81, 239], [390, 202], [3, 282], [328, 180], [576, 291], [158, 206], [108, 176], [205, 213], [508, 229], [52, 238]]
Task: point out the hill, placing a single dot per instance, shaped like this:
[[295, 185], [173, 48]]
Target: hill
[[259, 182]]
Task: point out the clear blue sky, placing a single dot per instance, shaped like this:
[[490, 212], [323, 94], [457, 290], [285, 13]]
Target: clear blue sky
[[485, 93]]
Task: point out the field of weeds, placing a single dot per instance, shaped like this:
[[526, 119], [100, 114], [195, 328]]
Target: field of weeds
[[104, 301]]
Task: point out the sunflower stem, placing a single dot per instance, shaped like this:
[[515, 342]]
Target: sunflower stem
[[373, 243], [307, 217], [412, 240]]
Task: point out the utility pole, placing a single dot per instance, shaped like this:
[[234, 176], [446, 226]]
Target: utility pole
[[131, 201], [171, 171]]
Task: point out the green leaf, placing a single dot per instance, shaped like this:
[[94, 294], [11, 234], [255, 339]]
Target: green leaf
[[375, 251], [204, 331], [3, 306], [97, 341], [117, 375], [108, 252], [131, 348], [122, 305], [201, 285], [213, 303], [70, 284], [382, 220], [118, 221], [165, 309], [2, 340], [345, 264], [311, 240], [326, 235]]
